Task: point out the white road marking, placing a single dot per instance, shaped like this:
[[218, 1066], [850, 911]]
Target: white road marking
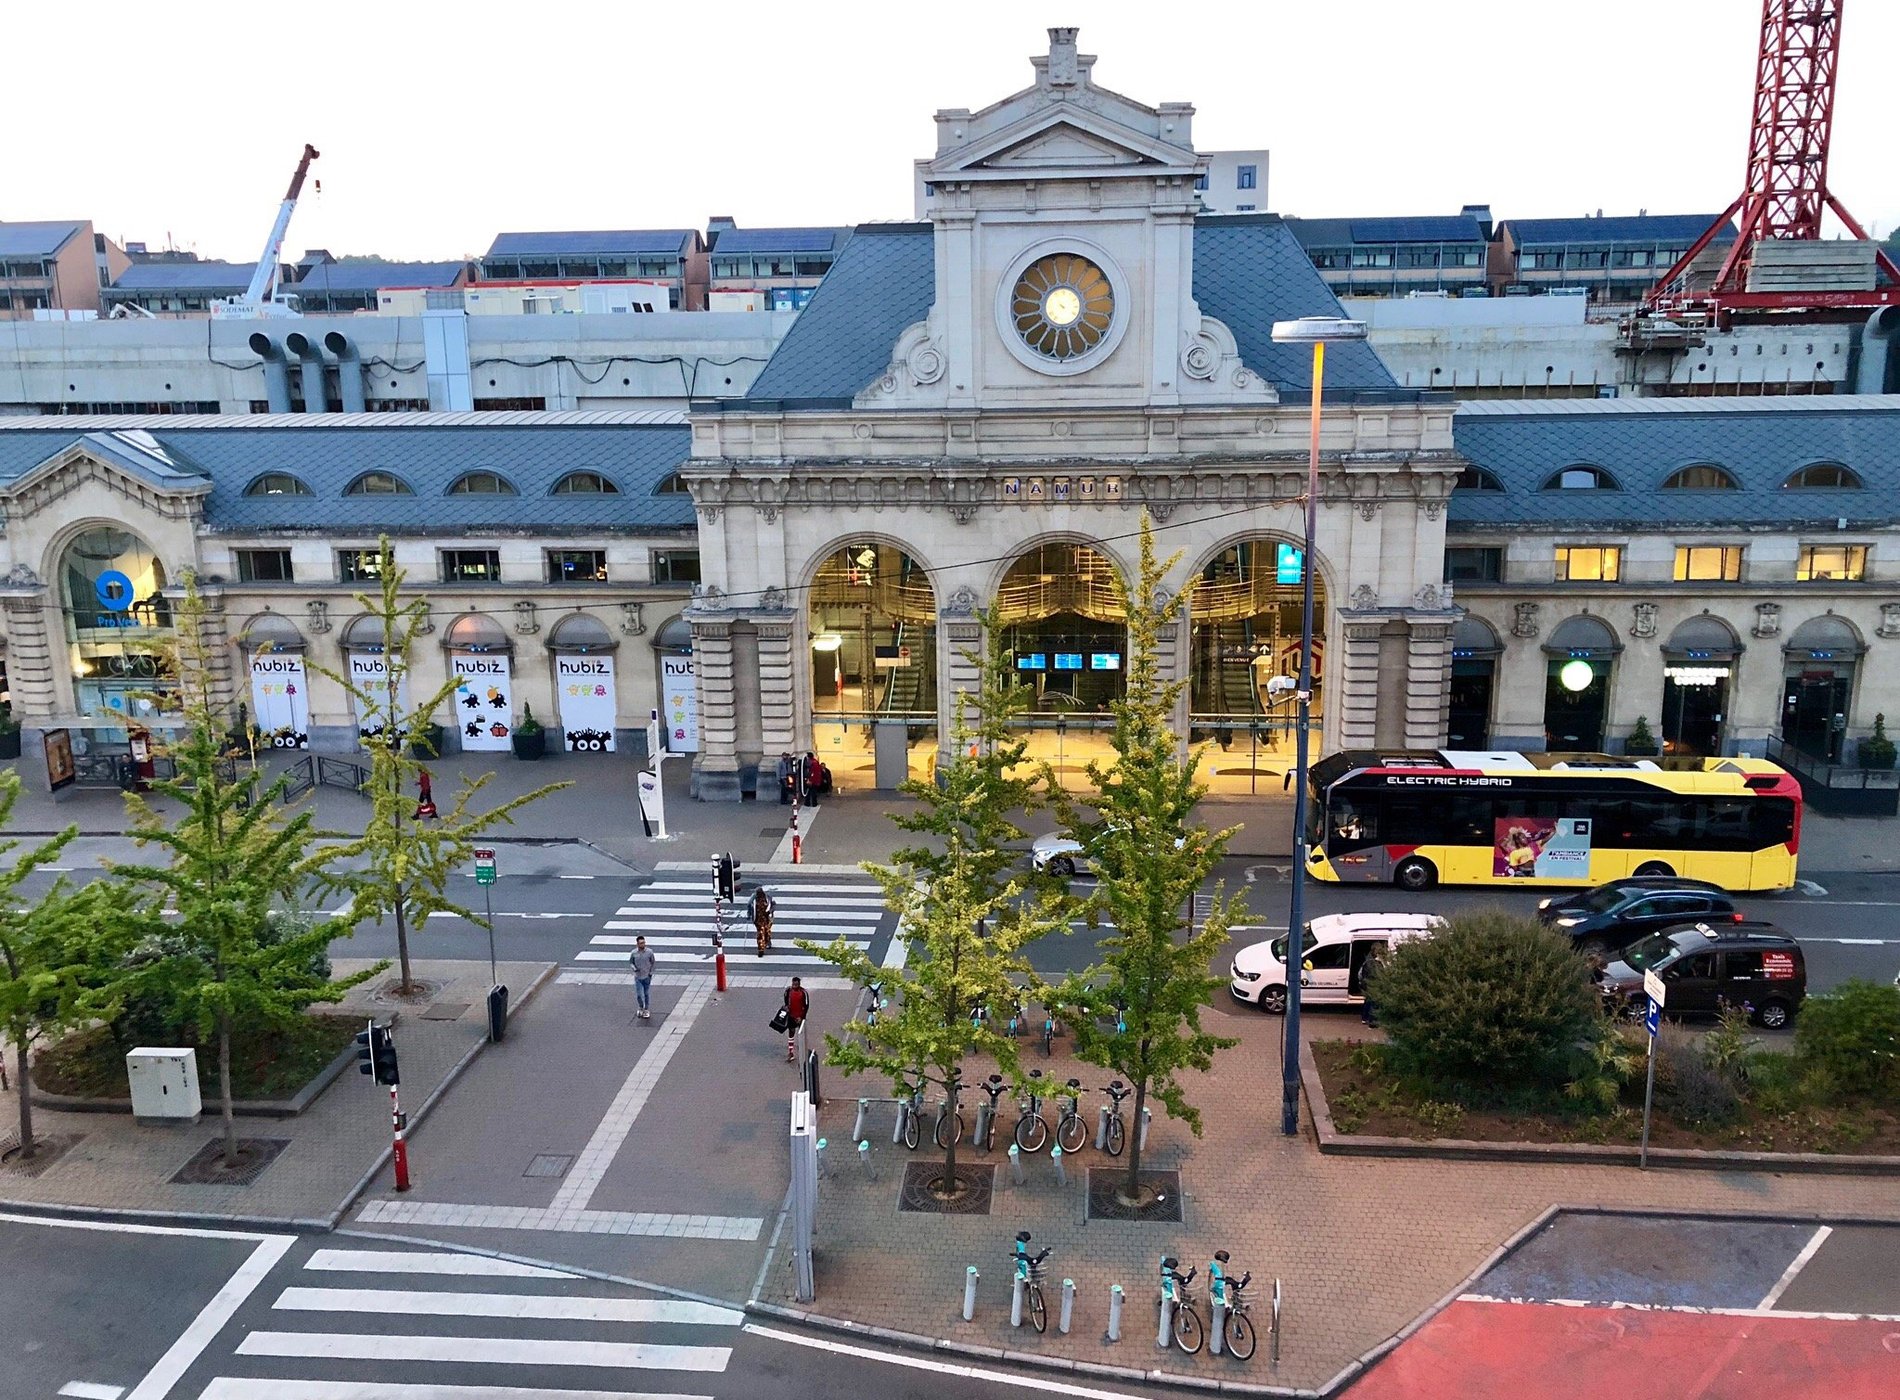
[[625, 940], [1013, 1379], [570, 1221], [792, 887], [424, 1261], [540, 1306], [707, 926], [579, 877], [237, 1388], [1795, 1266], [89, 1390], [1676, 1308], [1855, 942], [184, 1352], [504, 1351], [732, 954], [587, 977], [125, 1227]]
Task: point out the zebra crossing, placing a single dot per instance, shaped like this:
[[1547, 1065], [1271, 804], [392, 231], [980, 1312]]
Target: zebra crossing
[[430, 1324], [679, 918]]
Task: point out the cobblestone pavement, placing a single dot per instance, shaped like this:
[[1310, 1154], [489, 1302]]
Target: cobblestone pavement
[[122, 1166], [1363, 1246]]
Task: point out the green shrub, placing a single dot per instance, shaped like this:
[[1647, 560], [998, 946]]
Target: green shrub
[[1852, 1036], [1488, 1004], [1601, 1063], [1691, 1087]]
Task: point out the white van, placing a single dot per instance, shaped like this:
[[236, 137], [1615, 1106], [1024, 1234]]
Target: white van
[[1337, 946]]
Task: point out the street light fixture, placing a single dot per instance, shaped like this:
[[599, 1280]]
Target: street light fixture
[[1318, 332]]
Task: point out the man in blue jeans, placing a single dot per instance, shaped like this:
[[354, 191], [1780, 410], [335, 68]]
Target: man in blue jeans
[[643, 961]]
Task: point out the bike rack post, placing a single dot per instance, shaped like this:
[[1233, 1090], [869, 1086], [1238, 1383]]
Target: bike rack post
[[1062, 1173], [821, 1158], [1015, 1164], [1016, 1301], [1166, 1330], [1275, 1351], [864, 1159], [1101, 1127], [983, 1126], [1217, 1328], [1115, 1300], [897, 1128], [969, 1293], [1068, 1306], [1147, 1117], [857, 1124]]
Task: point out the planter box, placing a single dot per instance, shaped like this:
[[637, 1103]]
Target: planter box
[[530, 745], [252, 1108], [9, 743]]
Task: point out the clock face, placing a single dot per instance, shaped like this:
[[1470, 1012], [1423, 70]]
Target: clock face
[[1062, 306]]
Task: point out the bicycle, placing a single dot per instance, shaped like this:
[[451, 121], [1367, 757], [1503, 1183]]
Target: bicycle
[[910, 1109], [1016, 1020], [1233, 1292], [1072, 1130], [1116, 1138], [995, 1088], [1032, 1129], [1048, 1031], [875, 991], [1029, 1270], [949, 1116], [1188, 1332]]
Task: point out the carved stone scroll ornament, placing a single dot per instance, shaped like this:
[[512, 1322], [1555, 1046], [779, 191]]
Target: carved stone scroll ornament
[[1767, 620], [1525, 624], [317, 616], [1427, 598], [773, 599], [1365, 596], [20, 576], [1889, 620], [632, 623], [962, 603], [526, 623], [917, 361], [963, 512], [1642, 619]]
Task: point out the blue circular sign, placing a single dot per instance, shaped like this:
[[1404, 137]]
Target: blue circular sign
[[114, 590]]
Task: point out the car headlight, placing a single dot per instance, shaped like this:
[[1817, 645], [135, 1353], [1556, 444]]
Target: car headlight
[[1240, 976], [1544, 904], [1569, 921]]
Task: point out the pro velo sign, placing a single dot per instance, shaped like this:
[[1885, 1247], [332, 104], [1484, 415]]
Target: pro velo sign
[[484, 866], [1653, 986]]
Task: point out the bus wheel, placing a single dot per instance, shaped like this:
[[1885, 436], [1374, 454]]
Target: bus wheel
[[1653, 867], [1415, 875]]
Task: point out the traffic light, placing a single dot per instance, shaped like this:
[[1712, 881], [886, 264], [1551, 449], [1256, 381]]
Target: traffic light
[[376, 1054], [725, 872]]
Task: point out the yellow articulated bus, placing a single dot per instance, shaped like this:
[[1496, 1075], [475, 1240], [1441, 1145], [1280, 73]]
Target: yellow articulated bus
[[1421, 818]]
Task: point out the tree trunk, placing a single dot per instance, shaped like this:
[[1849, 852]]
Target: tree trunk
[[27, 1145], [950, 1152], [224, 1091], [1131, 1193], [402, 943]]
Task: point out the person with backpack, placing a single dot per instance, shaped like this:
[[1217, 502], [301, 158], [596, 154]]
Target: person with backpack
[[643, 961], [796, 1007]]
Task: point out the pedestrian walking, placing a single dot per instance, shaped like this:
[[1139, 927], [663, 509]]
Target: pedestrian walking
[[762, 909], [643, 962], [786, 767], [797, 1005]]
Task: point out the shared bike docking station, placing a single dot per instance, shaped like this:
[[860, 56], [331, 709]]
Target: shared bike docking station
[[651, 788], [805, 1144], [497, 994]]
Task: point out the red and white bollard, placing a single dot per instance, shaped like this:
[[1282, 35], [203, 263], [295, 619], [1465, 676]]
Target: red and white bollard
[[797, 844], [401, 1147], [719, 962]]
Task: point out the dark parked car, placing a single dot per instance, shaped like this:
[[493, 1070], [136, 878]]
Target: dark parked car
[[1758, 966], [1609, 918]]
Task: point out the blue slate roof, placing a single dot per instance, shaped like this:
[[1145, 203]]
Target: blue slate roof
[[1642, 442], [330, 453], [29, 239], [1249, 271], [671, 242], [354, 276], [779, 240], [185, 277], [1634, 228]]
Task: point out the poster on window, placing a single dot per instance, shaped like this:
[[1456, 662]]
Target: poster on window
[[280, 700], [483, 700], [376, 708], [680, 698], [585, 687], [1542, 848]]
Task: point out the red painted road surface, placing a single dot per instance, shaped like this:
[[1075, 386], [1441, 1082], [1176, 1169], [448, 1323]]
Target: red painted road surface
[[1515, 1351]]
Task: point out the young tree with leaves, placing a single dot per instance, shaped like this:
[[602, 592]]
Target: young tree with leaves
[[968, 920], [400, 867], [59, 952], [223, 957], [1138, 1013]]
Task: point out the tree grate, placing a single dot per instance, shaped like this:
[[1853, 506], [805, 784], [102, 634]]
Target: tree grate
[[445, 1010], [977, 1179], [47, 1149], [1105, 1204], [207, 1168]]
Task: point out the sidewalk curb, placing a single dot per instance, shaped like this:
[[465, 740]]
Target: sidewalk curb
[[238, 1224]]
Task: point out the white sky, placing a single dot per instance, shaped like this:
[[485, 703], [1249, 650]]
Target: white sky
[[442, 125]]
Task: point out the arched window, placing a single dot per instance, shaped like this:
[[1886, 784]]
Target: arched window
[[482, 484], [585, 484], [1582, 477], [1703, 476], [1822, 476], [378, 484], [1477, 479], [671, 485], [278, 484]]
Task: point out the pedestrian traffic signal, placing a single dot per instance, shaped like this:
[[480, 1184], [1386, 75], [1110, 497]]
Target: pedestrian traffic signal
[[725, 871], [376, 1054]]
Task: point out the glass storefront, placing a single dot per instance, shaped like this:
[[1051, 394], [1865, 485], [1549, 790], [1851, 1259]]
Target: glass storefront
[[1580, 658], [118, 630], [1246, 630]]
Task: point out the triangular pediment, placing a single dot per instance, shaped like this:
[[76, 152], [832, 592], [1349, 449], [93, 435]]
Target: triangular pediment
[[1067, 137], [130, 465], [1064, 145]]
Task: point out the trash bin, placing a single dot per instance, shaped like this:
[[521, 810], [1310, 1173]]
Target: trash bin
[[497, 1013]]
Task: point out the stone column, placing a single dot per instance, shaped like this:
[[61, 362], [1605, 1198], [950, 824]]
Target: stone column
[[716, 769], [1174, 653], [215, 634], [1428, 681], [1353, 683], [778, 698], [958, 632], [30, 673]]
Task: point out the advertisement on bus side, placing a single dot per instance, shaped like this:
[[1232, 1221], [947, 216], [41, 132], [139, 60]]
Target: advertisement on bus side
[[1542, 848]]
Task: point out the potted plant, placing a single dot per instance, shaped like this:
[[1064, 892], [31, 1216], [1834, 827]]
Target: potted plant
[[10, 734], [425, 741], [530, 739], [1876, 750], [1641, 743]]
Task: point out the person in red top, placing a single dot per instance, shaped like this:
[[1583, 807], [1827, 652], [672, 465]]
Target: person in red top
[[797, 1005]]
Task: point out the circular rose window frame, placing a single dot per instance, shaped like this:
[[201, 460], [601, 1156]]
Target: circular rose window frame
[[1006, 319]]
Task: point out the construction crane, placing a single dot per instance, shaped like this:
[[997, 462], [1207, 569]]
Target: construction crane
[[1786, 191], [259, 299]]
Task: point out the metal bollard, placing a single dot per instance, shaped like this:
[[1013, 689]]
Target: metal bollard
[[1062, 1173], [1166, 1330], [1016, 1301], [1147, 1117], [1217, 1328], [1101, 1128], [969, 1293], [1015, 1164], [857, 1124], [1068, 1306], [897, 1128], [1115, 1300], [821, 1158], [864, 1156], [983, 1116]]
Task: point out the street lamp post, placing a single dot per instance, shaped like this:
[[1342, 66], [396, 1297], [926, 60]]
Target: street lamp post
[[1316, 331]]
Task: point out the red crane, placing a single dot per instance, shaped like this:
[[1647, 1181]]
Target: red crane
[[1786, 188]]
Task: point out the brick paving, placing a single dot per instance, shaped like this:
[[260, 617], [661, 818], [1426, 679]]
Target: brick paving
[[1363, 1246]]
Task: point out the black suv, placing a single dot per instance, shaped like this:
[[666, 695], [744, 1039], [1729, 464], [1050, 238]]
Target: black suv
[[1705, 966], [1609, 918]]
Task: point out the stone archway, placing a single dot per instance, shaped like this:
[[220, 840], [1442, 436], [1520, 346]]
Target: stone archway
[[118, 627]]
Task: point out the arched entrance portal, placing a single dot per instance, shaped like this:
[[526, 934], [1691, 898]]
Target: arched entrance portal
[[873, 659], [1818, 666], [118, 630], [1062, 624], [1579, 659], [1245, 612]]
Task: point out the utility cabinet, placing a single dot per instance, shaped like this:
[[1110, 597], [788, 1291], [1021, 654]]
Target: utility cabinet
[[164, 1085]]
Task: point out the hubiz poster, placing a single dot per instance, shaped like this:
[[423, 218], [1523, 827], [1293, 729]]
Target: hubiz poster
[[280, 700], [680, 697], [376, 708], [585, 685], [484, 700], [1542, 848]]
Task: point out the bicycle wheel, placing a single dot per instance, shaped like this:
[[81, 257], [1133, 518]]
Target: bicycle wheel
[[1187, 1329], [1072, 1132], [1032, 1133], [1117, 1137], [954, 1122], [1240, 1337], [910, 1130], [1038, 1311]]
